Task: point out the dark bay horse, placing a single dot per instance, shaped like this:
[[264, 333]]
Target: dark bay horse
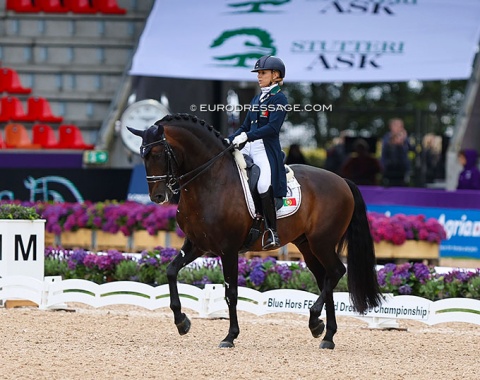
[[183, 151]]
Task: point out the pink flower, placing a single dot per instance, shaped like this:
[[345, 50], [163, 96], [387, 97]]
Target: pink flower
[[400, 227]]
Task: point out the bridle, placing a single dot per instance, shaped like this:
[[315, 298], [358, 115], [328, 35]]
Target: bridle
[[171, 179]]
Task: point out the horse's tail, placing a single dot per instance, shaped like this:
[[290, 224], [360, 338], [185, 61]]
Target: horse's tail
[[362, 275]]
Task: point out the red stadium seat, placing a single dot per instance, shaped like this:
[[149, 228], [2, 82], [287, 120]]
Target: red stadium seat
[[39, 110], [24, 6], [16, 136], [12, 109], [2, 143], [54, 6], [44, 135], [70, 137], [109, 7], [11, 5], [82, 6], [10, 82]]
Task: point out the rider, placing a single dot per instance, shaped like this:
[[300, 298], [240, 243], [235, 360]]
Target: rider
[[259, 135]]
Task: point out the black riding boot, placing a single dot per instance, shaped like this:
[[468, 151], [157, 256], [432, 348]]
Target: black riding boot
[[270, 237]]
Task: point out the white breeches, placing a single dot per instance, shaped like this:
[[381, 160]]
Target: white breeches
[[256, 150]]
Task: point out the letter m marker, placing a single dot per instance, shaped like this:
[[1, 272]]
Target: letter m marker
[[19, 247]]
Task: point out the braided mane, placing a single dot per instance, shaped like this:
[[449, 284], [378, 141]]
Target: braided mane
[[180, 118]]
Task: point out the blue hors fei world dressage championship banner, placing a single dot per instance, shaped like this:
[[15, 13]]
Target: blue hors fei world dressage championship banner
[[319, 40]]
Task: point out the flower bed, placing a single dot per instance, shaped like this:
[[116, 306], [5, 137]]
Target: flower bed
[[260, 274], [128, 217], [399, 228], [110, 216]]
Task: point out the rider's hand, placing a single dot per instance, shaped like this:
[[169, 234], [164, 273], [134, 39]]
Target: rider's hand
[[239, 140]]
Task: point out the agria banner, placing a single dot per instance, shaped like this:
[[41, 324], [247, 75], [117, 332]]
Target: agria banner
[[319, 40], [461, 226]]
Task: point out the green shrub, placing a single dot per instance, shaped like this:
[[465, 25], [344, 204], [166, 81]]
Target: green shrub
[[55, 267], [17, 212], [126, 270]]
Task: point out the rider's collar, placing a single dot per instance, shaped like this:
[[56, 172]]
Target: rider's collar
[[269, 91], [275, 89]]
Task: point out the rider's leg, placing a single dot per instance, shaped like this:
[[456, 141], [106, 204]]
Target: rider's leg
[[270, 237]]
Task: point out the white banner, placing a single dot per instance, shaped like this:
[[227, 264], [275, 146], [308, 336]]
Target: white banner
[[319, 40]]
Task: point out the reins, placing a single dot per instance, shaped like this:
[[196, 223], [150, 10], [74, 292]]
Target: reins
[[170, 175], [202, 168]]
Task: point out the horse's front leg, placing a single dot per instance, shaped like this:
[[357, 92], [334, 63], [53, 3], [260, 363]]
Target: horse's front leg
[[187, 254], [230, 273]]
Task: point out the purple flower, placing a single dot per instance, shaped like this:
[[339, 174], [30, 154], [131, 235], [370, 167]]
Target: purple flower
[[284, 271], [257, 276], [382, 276], [396, 280], [77, 257], [403, 270], [457, 275], [421, 271], [242, 266], [242, 281], [151, 261], [168, 254], [389, 267], [405, 289]]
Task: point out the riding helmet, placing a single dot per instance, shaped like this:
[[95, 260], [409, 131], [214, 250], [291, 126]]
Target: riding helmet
[[269, 62]]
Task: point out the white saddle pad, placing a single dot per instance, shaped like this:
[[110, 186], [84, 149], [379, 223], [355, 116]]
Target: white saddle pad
[[291, 202]]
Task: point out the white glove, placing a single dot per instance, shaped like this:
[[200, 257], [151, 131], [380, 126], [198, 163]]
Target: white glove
[[239, 140]]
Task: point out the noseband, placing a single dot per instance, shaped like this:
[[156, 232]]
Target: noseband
[[170, 178]]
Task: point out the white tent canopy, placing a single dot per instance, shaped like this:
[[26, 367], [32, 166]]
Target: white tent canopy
[[319, 40]]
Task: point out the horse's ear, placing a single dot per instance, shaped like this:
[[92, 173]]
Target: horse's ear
[[136, 132], [159, 126], [160, 129]]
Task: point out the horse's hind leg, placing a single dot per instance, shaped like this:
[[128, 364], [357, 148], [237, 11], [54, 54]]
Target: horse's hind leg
[[327, 274], [187, 254], [327, 341]]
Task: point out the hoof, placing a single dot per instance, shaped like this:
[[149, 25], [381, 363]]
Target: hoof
[[318, 329], [184, 326], [226, 344], [327, 344]]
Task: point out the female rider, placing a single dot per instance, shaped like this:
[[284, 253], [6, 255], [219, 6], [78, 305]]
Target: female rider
[[259, 138]]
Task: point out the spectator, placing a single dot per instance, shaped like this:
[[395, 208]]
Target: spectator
[[469, 178], [394, 157], [432, 157], [336, 154], [395, 162], [295, 155], [361, 167]]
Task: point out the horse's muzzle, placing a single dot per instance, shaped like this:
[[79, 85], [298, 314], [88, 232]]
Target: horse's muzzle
[[159, 198]]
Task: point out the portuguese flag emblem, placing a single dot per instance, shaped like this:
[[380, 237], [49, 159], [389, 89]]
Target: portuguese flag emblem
[[289, 202]]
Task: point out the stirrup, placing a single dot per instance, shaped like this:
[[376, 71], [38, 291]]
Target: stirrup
[[274, 243]]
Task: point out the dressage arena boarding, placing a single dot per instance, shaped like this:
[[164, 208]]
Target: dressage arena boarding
[[125, 330]]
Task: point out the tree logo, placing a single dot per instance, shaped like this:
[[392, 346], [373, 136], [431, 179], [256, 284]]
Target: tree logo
[[256, 6], [247, 44]]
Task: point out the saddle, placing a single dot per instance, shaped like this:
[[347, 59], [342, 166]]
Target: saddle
[[253, 174], [285, 207]]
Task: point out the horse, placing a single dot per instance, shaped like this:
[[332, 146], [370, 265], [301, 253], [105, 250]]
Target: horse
[[183, 153]]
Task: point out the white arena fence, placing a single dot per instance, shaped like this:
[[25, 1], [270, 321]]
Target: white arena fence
[[54, 293]]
